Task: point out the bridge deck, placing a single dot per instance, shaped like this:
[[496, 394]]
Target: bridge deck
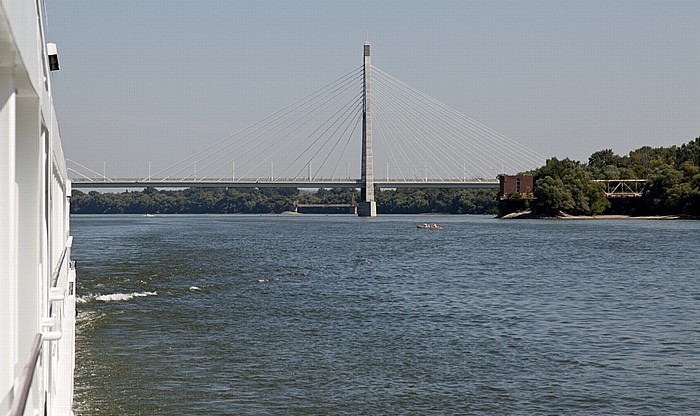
[[352, 183]]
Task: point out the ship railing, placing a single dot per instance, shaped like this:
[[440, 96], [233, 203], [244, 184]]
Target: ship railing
[[27, 378], [57, 270], [20, 403]]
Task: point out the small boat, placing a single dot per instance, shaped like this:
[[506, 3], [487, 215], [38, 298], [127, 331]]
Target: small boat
[[426, 226]]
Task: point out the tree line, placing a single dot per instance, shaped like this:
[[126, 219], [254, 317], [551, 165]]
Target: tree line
[[278, 200], [561, 186], [672, 187]]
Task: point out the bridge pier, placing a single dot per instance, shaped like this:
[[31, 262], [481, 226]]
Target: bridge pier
[[367, 207]]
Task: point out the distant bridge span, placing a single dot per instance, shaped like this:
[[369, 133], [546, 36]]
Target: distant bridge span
[[414, 130], [280, 183]]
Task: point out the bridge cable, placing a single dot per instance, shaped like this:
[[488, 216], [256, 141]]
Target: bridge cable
[[533, 157], [332, 92], [283, 131], [347, 142], [436, 127], [429, 132], [333, 118], [420, 121], [384, 141], [408, 126], [88, 169], [390, 140], [267, 119], [348, 117]]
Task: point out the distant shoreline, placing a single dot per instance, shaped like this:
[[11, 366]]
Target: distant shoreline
[[620, 217], [531, 215]]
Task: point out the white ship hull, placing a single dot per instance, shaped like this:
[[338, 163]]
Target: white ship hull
[[37, 298]]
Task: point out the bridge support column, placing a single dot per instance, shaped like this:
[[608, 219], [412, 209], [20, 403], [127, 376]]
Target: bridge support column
[[367, 207]]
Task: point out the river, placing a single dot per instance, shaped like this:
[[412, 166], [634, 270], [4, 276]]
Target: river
[[339, 315]]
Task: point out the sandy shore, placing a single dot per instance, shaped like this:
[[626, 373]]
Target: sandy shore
[[618, 217], [530, 215]]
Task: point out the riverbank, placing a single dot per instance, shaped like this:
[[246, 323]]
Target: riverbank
[[278, 200], [563, 216]]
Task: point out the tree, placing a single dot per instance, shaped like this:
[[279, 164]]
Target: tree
[[552, 196], [566, 186]]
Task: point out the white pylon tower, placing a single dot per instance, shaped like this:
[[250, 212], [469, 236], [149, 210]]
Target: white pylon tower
[[367, 206]]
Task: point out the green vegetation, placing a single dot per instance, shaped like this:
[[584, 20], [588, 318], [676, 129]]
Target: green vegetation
[[188, 201], [566, 186], [561, 186], [277, 200], [672, 188], [444, 201]]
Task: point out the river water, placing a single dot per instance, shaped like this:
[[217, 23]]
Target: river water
[[338, 315]]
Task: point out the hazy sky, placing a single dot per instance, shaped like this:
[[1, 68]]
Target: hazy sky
[[156, 80]]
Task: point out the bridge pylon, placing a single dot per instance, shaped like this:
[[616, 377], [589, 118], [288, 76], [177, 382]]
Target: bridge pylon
[[367, 206]]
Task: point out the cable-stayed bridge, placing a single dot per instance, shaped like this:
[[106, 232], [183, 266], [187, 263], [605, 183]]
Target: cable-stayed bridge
[[402, 137]]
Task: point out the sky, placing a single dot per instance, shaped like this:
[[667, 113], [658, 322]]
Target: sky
[[154, 81]]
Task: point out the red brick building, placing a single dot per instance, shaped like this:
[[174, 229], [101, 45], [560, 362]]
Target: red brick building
[[516, 184]]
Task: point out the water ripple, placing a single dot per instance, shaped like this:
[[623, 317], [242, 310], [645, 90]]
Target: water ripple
[[335, 315]]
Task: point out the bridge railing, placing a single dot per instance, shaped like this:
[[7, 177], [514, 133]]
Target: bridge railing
[[281, 183], [282, 180]]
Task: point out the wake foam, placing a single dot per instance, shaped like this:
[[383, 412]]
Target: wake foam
[[115, 297]]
